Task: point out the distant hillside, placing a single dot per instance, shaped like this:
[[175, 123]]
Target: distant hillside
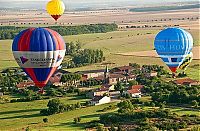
[[163, 8]]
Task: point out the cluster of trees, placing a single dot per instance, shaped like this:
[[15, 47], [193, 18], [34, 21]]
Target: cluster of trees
[[84, 29], [55, 106], [9, 79], [160, 119], [142, 70], [88, 56], [168, 92], [70, 79], [80, 57], [9, 32]]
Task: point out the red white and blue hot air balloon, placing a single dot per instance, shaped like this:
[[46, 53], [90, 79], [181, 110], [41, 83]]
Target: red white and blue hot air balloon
[[39, 52], [173, 45]]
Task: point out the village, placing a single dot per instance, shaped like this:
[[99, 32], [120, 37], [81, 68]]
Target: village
[[108, 82]]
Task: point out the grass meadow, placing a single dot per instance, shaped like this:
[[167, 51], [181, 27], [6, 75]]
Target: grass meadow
[[111, 43]]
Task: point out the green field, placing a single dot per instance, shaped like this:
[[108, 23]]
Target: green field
[[111, 43], [18, 116], [15, 116]]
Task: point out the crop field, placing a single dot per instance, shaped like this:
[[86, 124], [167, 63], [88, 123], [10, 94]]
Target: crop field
[[113, 44]]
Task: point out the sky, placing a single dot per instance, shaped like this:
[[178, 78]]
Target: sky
[[71, 4]]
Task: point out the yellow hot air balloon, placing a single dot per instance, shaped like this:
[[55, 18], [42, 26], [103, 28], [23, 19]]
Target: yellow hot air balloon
[[55, 8], [186, 62]]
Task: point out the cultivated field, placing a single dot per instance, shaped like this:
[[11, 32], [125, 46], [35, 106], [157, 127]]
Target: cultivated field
[[119, 16], [113, 43]]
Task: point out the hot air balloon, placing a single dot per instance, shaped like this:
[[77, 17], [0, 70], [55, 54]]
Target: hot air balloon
[[173, 45], [39, 52], [186, 62], [55, 8]]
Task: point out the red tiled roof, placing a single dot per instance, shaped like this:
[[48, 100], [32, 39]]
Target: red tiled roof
[[114, 75], [186, 80], [99, 78], [133, 91], [55, 79], [25, 84], [136, 87]]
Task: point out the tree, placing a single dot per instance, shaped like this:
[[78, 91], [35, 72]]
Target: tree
[[125, 106], [119, 87], [133, 82], [55, 106], [194, 103], [45, 120], [77, 120]]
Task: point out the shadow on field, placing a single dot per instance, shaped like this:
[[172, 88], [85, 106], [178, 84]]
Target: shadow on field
[[90, 116], [79, 125], [78, 98], [70, 124], [22, 116], [18, 111]]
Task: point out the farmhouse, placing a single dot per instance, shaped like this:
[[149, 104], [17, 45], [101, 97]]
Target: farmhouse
[[186, 81], [98, 100], [151, 74], [101, 91], [92, 73], [135, 93], [139, 87]]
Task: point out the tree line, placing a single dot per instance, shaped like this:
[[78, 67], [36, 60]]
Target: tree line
[[80, 57], [9, 32]]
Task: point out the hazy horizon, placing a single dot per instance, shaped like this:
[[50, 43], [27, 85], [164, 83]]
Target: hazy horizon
[[40, 4]]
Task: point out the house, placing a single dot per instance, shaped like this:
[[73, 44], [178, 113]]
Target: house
[[92, 73], [151, 74], [131, 77], [115, 77], [139, 87], [55, 80], [186, 81], [56, 77], [122, 69], [135, 93], [109, 87], [25, 84], [101, 91], [98, 100]]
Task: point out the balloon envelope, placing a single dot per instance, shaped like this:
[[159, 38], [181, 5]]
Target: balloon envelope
[[39, 51], [186, 62], [55, 8], [173, 45]]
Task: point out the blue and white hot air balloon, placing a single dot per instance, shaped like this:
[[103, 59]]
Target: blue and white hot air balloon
[[39, 52], [173, 45]]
